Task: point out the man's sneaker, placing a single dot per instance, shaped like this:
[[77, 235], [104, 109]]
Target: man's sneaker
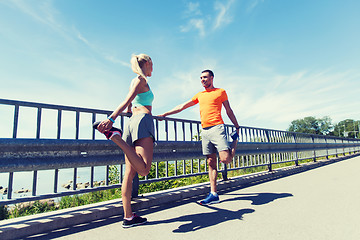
[[134, 222], [211, 199], [109, 133], [234, 135]]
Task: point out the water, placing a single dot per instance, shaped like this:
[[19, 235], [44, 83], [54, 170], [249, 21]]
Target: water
[[45, 180]]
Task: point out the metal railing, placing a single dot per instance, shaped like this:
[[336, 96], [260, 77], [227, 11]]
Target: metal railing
[[178, 148]]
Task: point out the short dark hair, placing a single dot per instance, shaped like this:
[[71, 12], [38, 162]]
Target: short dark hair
[[208, 71]]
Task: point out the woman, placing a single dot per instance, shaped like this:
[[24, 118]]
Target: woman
[[138, 139]]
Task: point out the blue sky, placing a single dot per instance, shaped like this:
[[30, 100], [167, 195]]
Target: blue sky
[[277, 60]]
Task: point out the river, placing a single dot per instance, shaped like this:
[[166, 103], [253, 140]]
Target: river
[[45, 180]]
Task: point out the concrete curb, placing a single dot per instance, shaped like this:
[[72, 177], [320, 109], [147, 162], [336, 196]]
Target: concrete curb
[[45, 222]]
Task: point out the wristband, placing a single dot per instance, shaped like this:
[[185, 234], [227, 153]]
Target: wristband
[[111, 119]]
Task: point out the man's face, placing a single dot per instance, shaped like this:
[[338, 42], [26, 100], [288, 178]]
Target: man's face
[[206, 80]]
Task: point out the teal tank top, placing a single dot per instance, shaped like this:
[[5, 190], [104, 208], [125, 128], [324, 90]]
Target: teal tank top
[[143, 99]]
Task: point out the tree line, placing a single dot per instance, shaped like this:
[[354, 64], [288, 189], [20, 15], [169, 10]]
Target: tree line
[[348, 128]]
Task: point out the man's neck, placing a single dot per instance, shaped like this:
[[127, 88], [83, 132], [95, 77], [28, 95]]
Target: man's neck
[[209, 88]]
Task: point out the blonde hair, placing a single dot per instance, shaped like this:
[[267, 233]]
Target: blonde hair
[[138, 62]]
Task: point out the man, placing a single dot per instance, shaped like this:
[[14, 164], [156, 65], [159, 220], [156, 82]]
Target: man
[[213, 134]]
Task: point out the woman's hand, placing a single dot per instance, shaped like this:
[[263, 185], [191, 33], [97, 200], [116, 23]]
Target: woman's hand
[[105, 125]]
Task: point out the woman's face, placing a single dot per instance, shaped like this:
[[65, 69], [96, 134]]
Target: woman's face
[[148, 68]]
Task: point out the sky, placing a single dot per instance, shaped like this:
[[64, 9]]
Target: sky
[[278, 60]]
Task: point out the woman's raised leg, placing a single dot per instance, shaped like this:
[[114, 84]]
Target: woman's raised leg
[[140, 158]]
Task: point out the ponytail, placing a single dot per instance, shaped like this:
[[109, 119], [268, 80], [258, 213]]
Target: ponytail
[[138, 62]]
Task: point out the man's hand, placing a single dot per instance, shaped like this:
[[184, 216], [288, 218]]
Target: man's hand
[[161, 117]]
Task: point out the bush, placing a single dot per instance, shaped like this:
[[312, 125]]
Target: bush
[[4, 214], [30, 208]]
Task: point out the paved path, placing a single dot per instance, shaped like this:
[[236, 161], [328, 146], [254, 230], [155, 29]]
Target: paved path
[[322, 203]]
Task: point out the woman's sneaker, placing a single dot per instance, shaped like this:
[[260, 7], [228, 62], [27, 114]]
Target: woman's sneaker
[[109, 133], [134, 222], [211, 199]]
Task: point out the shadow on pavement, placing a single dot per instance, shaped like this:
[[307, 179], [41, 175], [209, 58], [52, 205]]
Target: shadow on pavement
[[203, 220], [259, 198], [192, 222]]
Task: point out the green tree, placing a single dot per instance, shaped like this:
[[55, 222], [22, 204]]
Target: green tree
[[325, 125], [347, 128], [312, 125]]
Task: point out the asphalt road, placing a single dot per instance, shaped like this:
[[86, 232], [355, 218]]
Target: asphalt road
[[322, 203]]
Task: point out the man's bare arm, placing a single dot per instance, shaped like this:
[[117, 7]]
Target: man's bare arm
[[178, 108], [230, 113]]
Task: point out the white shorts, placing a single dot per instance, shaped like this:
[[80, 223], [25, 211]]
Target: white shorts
[[214, 139]]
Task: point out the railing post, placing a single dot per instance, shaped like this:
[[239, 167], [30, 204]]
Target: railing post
[[135, 186], [296, 153], [38, 124], [336, 150], [166, 130], [198, 132], [75, 179], [184, 132], [167, 168], [16, 120], [175, 130], [313, 141], [354, 146], [58, 134], [191, 133], [10, 186], [175, 168], [157, 129], [34, 183], [270, 162], [224, 172], [77, 125], [157, 170], [121, 177], [269, 155], [93, 119], [56, 180]]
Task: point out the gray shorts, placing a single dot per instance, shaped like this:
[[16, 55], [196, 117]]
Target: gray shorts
[[139, 126], [214, 139]]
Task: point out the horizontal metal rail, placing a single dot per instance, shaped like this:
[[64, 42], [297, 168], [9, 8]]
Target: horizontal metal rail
[[45, 154]]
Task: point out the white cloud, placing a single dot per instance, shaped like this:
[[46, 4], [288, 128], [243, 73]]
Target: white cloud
[[193, 9], [83, 39], [217, 18], [117, 61], [253, 4], [45, 14], [61, 71], [301, 94], [197, 24], [223, 17], [42, 12], [103, 54]]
